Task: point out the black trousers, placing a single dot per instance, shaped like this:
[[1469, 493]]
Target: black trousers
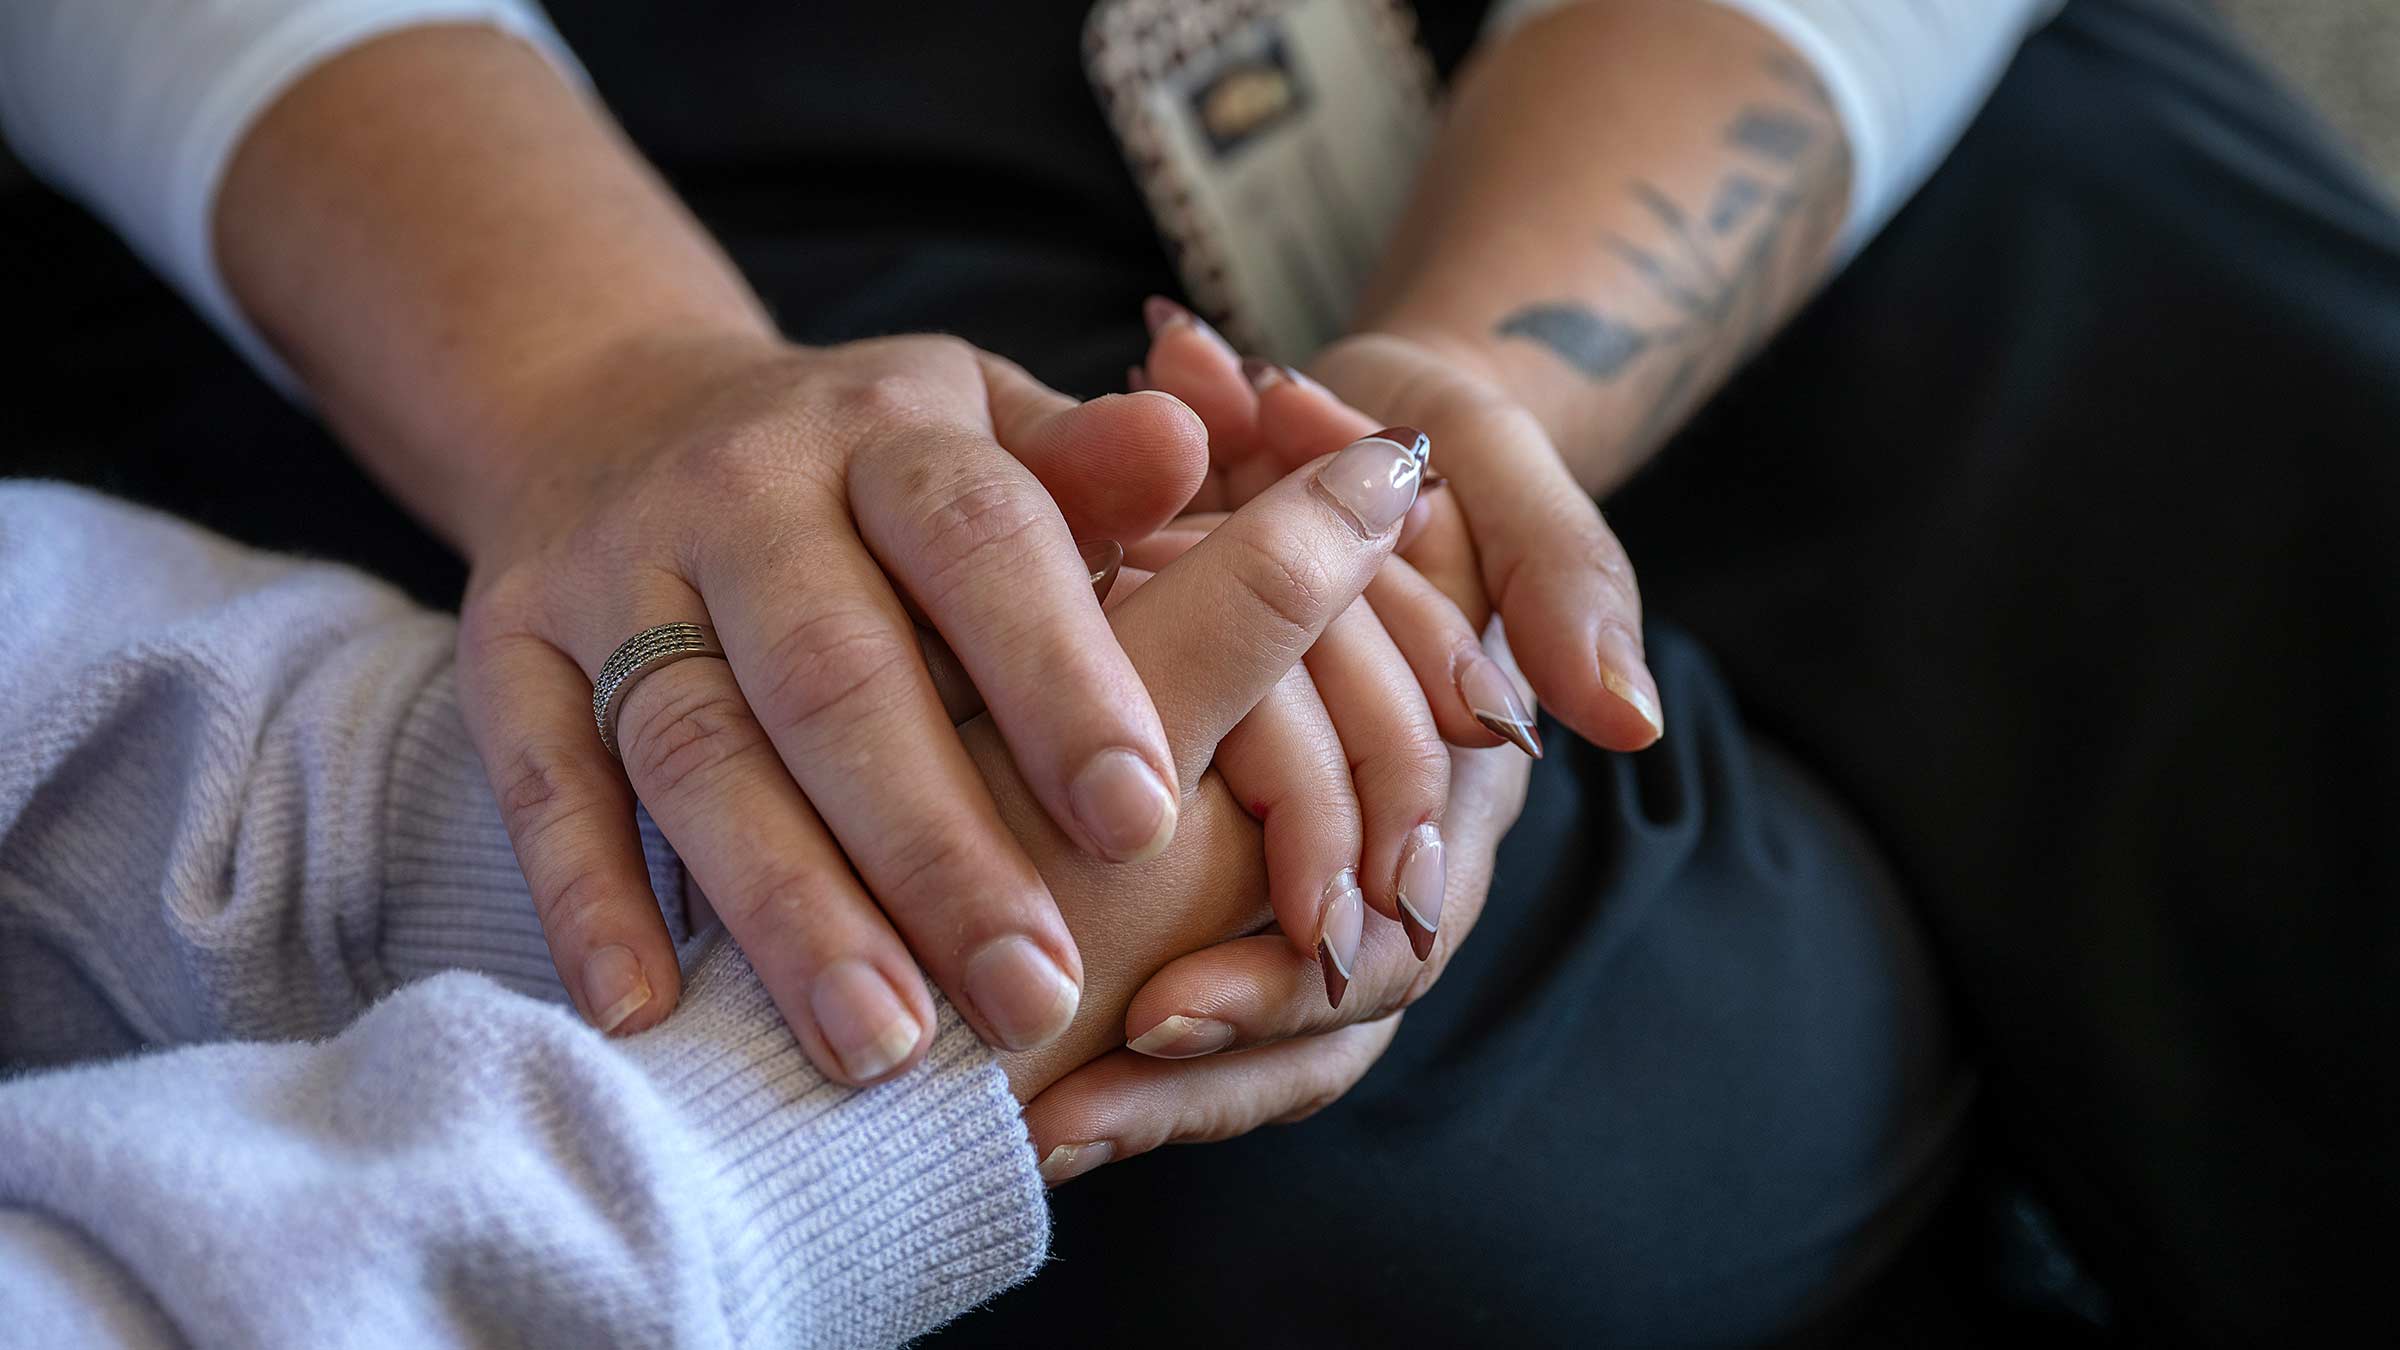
[[2026, 812]]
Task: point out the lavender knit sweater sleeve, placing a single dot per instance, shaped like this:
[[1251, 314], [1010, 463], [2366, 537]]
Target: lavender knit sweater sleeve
[[288, 1063]]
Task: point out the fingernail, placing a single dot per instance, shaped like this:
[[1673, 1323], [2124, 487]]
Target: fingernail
[[614, 987], [1023, 995], [1263, 375], [1123, 805], [1102, 558], [1136, 380], [1338, 933], [1161, 314], [870, 1029], [1374, 481], [1434, 482], [1069, 1161], [1623, 673], [1494, 701], [1181, 1037], [1420, 886]]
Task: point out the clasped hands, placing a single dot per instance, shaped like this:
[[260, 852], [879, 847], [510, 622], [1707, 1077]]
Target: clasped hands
[[930, 749]]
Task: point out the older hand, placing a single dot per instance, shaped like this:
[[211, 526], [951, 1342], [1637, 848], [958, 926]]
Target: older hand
[[810, 780]]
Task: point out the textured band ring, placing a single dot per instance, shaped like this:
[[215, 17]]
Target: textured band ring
[[642, 653]]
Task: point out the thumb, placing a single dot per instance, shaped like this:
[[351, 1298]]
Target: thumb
[[1119, 467]]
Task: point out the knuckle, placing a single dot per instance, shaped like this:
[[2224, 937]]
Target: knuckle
[[881, 397], [690, 735], [933, 865], [1291, 589], [771, 901], [538, 788], [574, 904], [838, 665], [1413, 772], [970, 527]]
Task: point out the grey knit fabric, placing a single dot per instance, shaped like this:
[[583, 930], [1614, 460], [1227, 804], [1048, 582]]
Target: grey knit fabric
[[290, 1065]]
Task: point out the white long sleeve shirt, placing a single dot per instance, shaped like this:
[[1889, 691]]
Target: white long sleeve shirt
[[136, 106]]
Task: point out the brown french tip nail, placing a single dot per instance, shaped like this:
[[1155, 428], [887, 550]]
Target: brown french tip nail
[[1136, 379], [1336, 983], [1417, 443], [1103, 558], [1342, 925], [1160, 313], [1489, 695], [1263, 375], [1420, 885]]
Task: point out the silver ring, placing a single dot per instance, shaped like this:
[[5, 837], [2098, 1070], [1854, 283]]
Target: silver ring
[[642, 653]]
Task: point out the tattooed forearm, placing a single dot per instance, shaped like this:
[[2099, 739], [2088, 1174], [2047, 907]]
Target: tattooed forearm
[[1715, 274]]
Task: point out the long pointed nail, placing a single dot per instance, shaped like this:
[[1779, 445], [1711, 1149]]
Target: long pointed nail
[[870, 1029], [1181, 1037], [1494, 701], [1159, 314], [1069, 1161], [1373, 481], [1339, 931], [1624, 674], [1103, 558], [1420, 886], [614, 987]]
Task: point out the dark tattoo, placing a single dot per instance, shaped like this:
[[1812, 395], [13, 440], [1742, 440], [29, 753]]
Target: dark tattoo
[[1779, 199], [1736, 196], [1592, 343]]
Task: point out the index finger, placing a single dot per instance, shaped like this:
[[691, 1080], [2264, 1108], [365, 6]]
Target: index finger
[[1268, 581]]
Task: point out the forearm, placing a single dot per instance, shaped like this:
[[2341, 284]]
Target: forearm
[[453, 248], [1626, 199]]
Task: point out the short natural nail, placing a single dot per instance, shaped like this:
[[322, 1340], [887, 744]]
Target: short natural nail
[[1494, 701], [1373, 482], [1420, 886], [1023, 995], [1103, 558], [1137, 380], [1345, 918], [1181, 1037], [1624, 674], [871, 1031], [614, 986], [1123, 805], [1069, 1161]]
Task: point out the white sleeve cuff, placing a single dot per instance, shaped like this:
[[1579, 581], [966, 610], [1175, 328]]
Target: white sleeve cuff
[[137, 106], [1905, 77]]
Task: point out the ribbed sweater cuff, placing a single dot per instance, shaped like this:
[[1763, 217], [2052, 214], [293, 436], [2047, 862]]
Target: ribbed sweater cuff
[[898, 1206], [453, 896]]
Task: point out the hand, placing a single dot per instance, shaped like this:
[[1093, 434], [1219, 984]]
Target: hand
[[1552, 569], [1212, 634], [1262, 419], [1091, 1100], [769, 491], [1235, 1036]]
